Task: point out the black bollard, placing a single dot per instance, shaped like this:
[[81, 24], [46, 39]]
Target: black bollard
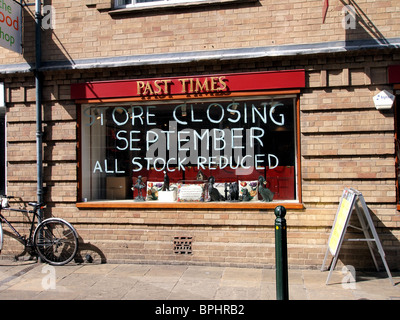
[[282, 283]]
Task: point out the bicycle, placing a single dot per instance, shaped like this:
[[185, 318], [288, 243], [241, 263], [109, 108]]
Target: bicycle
[[54, 240]]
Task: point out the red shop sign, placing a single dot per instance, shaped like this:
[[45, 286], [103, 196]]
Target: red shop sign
[[211, 84]]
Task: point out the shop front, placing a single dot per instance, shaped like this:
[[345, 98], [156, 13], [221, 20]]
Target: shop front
[[226, 140], [190, 168], [186, 162]]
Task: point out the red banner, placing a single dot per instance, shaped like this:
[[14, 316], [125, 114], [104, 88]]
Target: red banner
[[224, 83]]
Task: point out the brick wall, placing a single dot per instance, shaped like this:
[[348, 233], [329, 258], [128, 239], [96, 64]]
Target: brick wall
[[88, 29], [345, 141]]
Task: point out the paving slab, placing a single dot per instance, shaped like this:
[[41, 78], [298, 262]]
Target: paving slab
[[31, 281]]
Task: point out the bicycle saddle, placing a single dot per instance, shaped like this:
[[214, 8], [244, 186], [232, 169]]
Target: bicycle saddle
[[33, 204]]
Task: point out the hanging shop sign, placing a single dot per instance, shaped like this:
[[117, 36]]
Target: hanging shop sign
[[10, 25], [192, 85]]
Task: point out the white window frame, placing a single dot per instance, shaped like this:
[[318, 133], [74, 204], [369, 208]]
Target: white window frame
[[120, 4]]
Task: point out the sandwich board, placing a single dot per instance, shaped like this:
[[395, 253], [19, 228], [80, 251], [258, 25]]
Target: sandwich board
[[347, 204]]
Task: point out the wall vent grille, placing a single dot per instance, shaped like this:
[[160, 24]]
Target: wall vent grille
[[183, 245]]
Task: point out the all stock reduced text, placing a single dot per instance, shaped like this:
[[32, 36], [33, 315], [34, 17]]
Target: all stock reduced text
[[210, 144]]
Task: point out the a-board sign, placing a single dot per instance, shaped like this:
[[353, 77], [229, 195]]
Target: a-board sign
[[342, 216], [353, 200]]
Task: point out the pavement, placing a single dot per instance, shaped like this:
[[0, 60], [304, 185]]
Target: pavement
[[29, 280]]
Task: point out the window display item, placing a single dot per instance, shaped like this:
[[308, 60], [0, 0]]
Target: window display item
[[139, 186], [190, 192], [266, 194], [248, 190]]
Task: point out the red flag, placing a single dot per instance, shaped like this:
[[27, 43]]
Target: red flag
[[325, 10]]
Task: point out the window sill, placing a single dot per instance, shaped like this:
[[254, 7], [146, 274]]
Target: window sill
[[174, 5], [187, 205]]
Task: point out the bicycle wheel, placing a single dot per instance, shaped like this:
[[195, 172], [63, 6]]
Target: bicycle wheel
[[56, 241]]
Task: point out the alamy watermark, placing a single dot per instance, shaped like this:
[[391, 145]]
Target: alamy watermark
[[350, 19], [349, 279], [48, 17], [49, 280]]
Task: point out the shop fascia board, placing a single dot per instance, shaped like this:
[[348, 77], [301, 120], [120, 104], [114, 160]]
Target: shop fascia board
[[196, 56]]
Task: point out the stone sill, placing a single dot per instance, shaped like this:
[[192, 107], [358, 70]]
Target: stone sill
[[256, 205], [152, 6]]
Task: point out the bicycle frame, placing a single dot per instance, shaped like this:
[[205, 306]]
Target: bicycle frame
[[23, 239]]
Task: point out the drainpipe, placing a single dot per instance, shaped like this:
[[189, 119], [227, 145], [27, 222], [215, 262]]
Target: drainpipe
[[38, 83]]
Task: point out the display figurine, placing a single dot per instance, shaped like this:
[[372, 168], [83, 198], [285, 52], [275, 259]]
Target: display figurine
[[139, 186], [213, 192], [151, 194], [246, 195], [226, 190], [165, 186], [201, 176], [233, 191], [266, 194]]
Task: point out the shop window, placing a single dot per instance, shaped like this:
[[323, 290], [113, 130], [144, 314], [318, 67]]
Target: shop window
[[144, 3], [140, 5], [129, 150]]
